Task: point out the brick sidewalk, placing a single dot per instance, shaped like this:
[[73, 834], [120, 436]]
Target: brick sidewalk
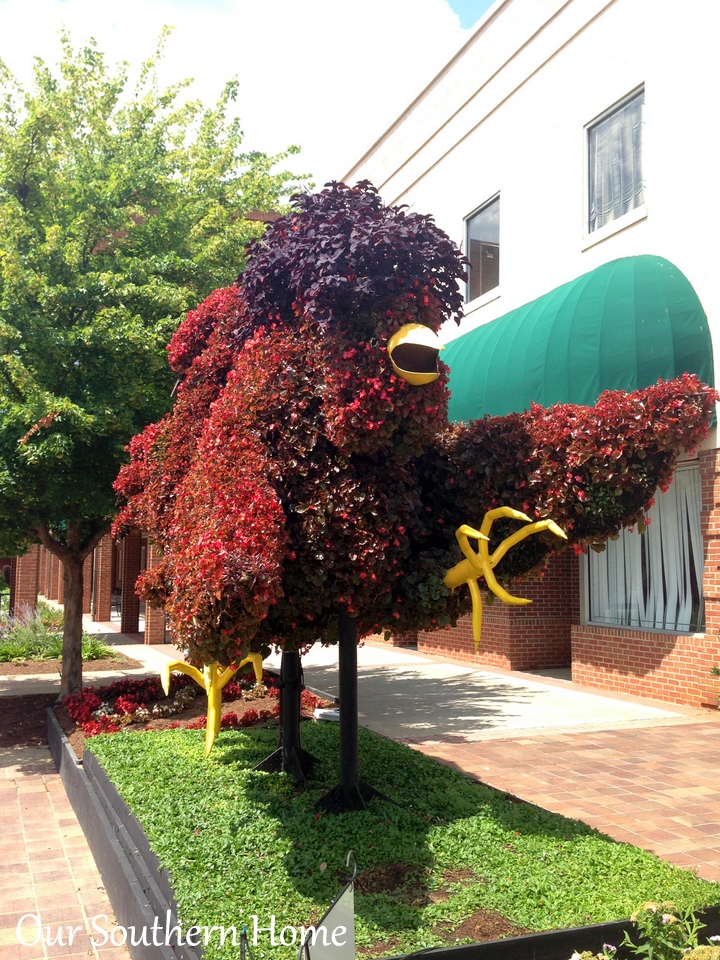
[[656, 787], [47, 869]]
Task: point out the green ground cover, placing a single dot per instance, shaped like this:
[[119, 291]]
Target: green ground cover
[[239, 843]]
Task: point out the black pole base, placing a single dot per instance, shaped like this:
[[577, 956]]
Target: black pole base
[[298, 764], [290, 757], [343, 799]]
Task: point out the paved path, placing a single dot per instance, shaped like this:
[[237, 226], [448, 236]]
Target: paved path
[[47, 870], [656, 787], [642, 772]]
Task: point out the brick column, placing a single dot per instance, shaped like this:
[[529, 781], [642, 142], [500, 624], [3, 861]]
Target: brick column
[[13, 569], [87, 583], [154, 615], [52, 580], [709, 461], [103, 580], [24, 581], [130, 602], [42, 571], [60, 590]]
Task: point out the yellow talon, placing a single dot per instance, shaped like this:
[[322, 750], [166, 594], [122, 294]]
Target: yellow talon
[[212, 679], [480, 563]]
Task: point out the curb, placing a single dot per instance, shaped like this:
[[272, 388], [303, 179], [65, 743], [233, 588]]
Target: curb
[[556, 944], [137, 885]]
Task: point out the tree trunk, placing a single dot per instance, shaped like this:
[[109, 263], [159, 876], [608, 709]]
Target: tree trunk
[[71, 677], [72, 553]]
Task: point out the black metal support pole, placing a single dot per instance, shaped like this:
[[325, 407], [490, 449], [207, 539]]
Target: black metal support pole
[[290, 693], [348, 687], [351, 793], [290, 757]]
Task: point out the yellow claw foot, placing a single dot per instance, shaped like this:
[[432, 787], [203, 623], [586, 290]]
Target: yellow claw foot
[[212, 679], [481, 563]]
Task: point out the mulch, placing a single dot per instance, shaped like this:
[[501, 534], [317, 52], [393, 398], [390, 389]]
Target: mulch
[[198, 708], [23, 719], [118, 662]]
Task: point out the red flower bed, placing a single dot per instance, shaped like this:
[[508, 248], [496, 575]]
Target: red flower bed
[[126, 702]]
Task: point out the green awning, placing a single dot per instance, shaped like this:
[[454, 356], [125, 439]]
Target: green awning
[[622, 326]]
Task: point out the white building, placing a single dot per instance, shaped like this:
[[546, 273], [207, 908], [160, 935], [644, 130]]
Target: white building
[[565, 137]]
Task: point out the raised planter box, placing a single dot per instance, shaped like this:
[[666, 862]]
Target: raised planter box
[[140, 891], [138, 887]]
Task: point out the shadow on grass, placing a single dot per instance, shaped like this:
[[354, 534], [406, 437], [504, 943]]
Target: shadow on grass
[[238, 842], [401, 845]]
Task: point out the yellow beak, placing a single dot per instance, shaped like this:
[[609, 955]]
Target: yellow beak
[[413, 352]]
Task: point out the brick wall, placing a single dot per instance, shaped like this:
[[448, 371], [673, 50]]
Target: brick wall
[[664, 666], [661, 666], [530, 637], [657, 665]]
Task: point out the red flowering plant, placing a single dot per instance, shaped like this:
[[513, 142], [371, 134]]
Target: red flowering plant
[[299, 474], [281, 485], [108, 709], [191, 339], [591, 469]]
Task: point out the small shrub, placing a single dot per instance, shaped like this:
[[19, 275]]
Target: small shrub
[[38, 636], [94, 649], [11, 651], [50, 616], [666, 932]]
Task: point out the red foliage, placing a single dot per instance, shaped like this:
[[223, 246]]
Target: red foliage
[[342, 255], [192, 336], [228, 532], [81, 706], [309, 700], [127, 705], [125, 697], [298, 474], [591, 469]]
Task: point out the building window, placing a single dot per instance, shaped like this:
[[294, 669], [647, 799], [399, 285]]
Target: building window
[[483, 249], [615, 172], [654, 580]]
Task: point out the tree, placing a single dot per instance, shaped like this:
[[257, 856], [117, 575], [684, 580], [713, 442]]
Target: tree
[[303, 489], [120, 208]]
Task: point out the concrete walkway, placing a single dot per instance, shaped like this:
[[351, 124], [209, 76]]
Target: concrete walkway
[[642, 772]]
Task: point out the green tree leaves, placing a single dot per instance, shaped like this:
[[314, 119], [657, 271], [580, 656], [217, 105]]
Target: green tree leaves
[[120, 209]]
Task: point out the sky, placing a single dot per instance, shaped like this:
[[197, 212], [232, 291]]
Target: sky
[[325, 75]]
